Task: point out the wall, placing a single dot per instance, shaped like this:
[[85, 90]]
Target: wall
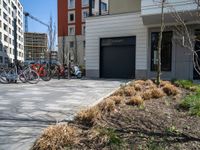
[[129, 24], [182, 67], [123, 6], [149, 7]]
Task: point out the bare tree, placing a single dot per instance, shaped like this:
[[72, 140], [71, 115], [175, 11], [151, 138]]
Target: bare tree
[[51, 36], [185, 33], [162, 27]]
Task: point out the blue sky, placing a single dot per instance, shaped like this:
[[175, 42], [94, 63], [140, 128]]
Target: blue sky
[[41, 9]]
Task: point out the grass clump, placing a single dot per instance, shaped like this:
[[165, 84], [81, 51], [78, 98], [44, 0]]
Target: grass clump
[[107, 105], [129, 91], [192, 103], [138, 87], [135, 100], [187, 84], [147, 95], [157, 93], [117, 99], [56, 137], [119, 92], [170, 89], [89, 116], [109, 137], [141, 82]]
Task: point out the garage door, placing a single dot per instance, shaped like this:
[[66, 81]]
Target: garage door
[[117, 57]]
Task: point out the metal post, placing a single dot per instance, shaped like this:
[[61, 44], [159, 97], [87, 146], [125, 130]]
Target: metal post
[[90, 7], [15, 34], [99, 7]]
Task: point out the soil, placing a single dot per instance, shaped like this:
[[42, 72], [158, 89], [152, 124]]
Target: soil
[[159, 124]]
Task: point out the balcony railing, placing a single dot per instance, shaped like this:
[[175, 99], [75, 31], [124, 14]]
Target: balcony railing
[[153, 7]]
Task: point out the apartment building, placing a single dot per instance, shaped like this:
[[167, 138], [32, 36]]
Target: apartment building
[[35, 45], [124, 44], [71, 27], [7, 13]]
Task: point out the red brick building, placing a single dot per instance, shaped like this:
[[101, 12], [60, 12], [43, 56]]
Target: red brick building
[[71, 27]]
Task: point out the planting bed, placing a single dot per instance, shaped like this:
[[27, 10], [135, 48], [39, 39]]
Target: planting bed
[[137, 116]]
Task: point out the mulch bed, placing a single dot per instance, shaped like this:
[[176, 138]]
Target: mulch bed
[[159, 124]]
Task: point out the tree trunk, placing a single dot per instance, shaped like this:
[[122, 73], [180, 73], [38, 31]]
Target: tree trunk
[[160, 44]]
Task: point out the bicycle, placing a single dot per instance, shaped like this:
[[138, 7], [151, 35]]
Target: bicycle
[[29, 75], [12, 74], [43, 71], [8, 75]]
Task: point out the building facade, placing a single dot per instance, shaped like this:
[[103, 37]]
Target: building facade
[[126, 46], [71, 27], [35, 46], [7, 14]]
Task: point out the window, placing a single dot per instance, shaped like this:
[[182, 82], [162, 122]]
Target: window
[[85, 14], [5, 49], [93, 4], [1, 59], [5, 27], [83, 29], [6, 60], [71, 44], [1, 47], [71, 4], [166, 51], [5, 38], [103, 6], [5, 5], [71, 30], [71, 17], [5, 16], [85, 3], [84, 44]]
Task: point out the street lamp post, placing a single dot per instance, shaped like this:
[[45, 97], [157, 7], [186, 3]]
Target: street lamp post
[[15, 34]]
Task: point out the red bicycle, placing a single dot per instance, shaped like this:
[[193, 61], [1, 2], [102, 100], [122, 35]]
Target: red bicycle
[[43, 71]]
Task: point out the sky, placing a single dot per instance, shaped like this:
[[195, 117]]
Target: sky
[[41, 9]]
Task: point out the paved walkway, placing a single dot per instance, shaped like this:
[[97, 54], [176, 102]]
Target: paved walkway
[[27, 109]]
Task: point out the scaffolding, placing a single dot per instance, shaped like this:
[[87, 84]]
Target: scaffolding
[[35, 46]]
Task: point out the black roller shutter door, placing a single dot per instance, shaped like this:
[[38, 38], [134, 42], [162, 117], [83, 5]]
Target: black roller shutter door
[[117, 57]]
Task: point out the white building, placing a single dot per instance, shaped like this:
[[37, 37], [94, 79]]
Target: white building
[[7, 14], [123, 44]]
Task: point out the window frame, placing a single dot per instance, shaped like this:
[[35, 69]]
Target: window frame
[[71, 6], [72, 26], [69, 14], [85, 4], [153, 52]]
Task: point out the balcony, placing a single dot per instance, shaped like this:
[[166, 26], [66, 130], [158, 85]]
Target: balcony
[[151, 10]]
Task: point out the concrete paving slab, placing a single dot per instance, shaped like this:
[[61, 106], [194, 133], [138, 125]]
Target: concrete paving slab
[[25, 109]]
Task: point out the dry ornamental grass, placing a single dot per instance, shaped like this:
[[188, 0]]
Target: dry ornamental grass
[[129, 91], [117, 99], [147, 95], [138, 87], [89, 116], [135, 100], [56, 137], [157, 93], [170, 89], [107, 105]]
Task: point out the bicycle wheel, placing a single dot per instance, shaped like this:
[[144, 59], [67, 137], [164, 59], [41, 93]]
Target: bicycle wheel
[[46, 75], [3, 78], [22, 78], [32, 77]]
